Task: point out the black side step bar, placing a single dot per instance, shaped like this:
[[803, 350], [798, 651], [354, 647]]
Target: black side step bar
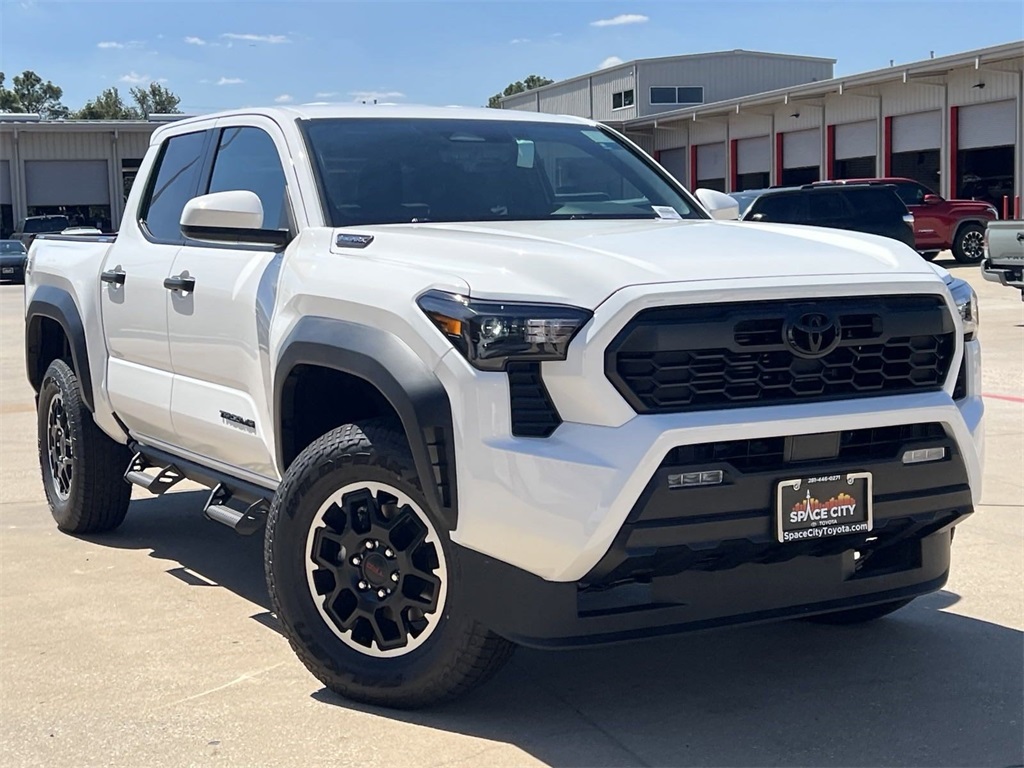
[[237, 503]]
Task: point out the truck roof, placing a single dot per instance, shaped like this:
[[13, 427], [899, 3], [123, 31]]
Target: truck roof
[[397, 111]]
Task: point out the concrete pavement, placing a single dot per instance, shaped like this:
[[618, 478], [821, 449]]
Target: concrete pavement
[[154, 645]]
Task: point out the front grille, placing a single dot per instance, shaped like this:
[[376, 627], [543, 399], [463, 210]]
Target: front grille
[[533, 413], [674, 359]]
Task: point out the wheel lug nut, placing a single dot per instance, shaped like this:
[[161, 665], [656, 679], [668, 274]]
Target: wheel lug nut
[[363, 585], [356, 560], [394, 576], [382, 593], [388, 552], [370, 544]]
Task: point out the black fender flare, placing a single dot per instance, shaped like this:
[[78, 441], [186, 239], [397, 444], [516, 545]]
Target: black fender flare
[[58, 305], [387, 363]]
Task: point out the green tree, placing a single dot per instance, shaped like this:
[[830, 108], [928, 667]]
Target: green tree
[[108, 106], [156, 99], [9, 101], [519, 86], [36, 96]]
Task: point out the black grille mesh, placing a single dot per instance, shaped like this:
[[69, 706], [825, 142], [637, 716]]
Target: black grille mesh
[[728, 355], [533, 413]]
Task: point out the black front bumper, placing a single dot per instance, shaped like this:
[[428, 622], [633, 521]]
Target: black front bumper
[[697, 558]]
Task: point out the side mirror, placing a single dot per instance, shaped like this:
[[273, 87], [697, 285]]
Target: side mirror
[[932, 199], [719, 204], [235, 216]]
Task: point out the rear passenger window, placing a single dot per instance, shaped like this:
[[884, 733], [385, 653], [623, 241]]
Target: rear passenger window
[[174, 184], [247, 159], [825, 205]]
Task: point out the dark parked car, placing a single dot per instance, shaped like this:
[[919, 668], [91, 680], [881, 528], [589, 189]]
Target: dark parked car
[[12, 261], [871, 208], [39, 225]]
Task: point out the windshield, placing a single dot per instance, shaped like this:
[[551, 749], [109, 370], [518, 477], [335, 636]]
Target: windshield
[[46, 224], [387, 171], [11, 246]]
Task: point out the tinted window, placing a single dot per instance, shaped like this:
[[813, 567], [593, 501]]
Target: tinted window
[[690, 95], [876, 202], [617, 100], [627, 98], [46, 224], [389, 171], [247, 159], [12, 246], [663, 95], [784, 209], [911, 193], [825, 205], [173, 185]]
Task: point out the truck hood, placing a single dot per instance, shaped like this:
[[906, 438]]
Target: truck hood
[[583, 262]]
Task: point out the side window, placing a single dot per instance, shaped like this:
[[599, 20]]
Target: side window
[[825, 205], [174, 184], [247, 159], [781, 209], [911, 194]]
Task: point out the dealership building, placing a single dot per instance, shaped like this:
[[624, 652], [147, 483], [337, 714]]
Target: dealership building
[[953, 123], [730, 121]]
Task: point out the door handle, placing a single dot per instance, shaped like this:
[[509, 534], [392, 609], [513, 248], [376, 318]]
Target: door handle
[[1020, 237], [114, 276], [180, 283]]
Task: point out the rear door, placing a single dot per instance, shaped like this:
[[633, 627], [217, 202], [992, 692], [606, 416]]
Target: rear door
[[781, 208], [828, 208], [219, 332], [133, 297]]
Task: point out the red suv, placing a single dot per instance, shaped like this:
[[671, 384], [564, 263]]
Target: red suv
[[940, 223]]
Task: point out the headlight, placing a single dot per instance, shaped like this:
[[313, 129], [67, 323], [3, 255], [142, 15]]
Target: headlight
[[967, 305], [490, 333]]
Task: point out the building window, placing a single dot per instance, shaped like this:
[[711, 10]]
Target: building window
[[622, 99], [681, 94]]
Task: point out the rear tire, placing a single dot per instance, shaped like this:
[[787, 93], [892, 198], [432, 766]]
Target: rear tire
[[859, 615], [968, 244], [83, 469], [364, 579]]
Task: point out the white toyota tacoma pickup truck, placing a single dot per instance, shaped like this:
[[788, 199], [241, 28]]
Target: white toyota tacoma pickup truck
[[490, 379]]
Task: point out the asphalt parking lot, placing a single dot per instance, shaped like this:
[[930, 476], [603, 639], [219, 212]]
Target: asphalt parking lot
[[154, 645]]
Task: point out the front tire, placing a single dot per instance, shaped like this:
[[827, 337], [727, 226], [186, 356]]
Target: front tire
[[859, 615], [968, 245], [929, 255], [366, 582], [83, 469]]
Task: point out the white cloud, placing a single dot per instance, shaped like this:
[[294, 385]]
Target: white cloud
[[325, 94], [230, 81], [622, 18], [192, 40], [518, 40], [284, 98], [106, 44], [134, 78], [378, 95], [248, 37], [611, 61]]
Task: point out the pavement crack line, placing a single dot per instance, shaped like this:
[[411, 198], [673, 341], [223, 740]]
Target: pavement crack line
[[236, 681]]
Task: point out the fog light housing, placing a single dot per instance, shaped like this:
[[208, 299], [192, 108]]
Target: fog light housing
[[695, 479], [924, 455]]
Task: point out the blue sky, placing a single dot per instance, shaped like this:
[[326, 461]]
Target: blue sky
[[230, 54]]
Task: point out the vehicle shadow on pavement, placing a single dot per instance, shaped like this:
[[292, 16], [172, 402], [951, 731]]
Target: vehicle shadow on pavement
[[921, 688]]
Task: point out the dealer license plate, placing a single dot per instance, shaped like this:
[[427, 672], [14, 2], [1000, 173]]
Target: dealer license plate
[[823, 506]]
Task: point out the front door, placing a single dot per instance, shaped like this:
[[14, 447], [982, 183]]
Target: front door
[[219, 330], [133, 297]]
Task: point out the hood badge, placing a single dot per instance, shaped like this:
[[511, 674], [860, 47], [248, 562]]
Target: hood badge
[[353, 241]]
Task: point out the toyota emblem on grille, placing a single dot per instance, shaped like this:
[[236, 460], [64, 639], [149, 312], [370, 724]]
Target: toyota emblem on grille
[[812, 334]]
